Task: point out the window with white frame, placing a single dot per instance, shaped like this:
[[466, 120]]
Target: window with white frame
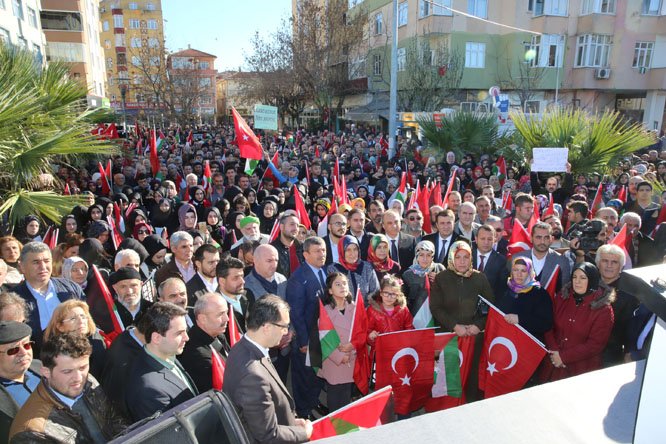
[[152, 24], [18, 8], [551, 7], [205, 82], [105, 25], [38, 52], [475, 55], [643, 54], [204, 65], [402, 59], [379, 24], [109, 63], [377, 64], [120, 40], [118, 21], [134, 23], [32, 17], [133, 6], [4, 36], [548, 49], [438, 8], [107, 44], [135, 42], [478, 8], [402, 13], [651, 7], [153, 42], [155, 61], [136, 79], [597, 7], [593, 50]]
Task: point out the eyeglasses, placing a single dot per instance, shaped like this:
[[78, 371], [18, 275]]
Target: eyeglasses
[[339, 224], [14, 350], [415, 218], [282, 326], [390, 295]]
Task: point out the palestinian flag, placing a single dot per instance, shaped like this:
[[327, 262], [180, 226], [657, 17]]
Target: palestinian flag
[[323, 340], [370, 411], [447, 370], [161, 141], [250, 165], [401, 192], [208, 176], [423, 317]]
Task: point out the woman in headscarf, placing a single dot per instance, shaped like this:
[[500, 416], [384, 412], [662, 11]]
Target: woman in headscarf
[[378, 256], [214, 224], [187, 217], [141, 230], [525, 302], [268, 216], [137, 216], [156, 247], [251, 197], [424, 267], [583, 320], [101, 231], [198, 200], [360, 274], [30, 230], [456, 307], [233, 228], [68, 225], [92, 251], [162, 216], [75, 269]]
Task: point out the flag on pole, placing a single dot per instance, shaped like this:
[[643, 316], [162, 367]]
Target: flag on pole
[[519, 241], [423, 317], [190, 139], [510, 355], [102, 306], [501, 169], [620, 240], [551, 285], [301, 210], [234, 332], [622, 194], [66, 191], [368, 412], [154, 159], [248, 143], [217, 366], [550, 211], [598, 201], [507, 204], [106, 185], [535, 215], [323, 340], [208, 176], [413, 197], [275, 231], [294, 262], [449, 188], [401, 192], [358, 337], [437, 195], [117, 214], [51, 237]]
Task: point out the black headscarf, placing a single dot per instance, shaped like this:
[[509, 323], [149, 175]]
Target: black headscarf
[[592, 273]]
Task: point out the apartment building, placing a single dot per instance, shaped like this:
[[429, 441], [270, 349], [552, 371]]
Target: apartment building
[[195, 76], [594, 54], [132, 38], [20, 25], [71, 28]]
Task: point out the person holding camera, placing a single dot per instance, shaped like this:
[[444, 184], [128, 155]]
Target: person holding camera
[[585, 241]]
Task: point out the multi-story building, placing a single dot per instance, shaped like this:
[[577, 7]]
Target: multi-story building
[[595, 54], [194, 76], [20, 25], [230, 85], [132, 36], [71, 28]]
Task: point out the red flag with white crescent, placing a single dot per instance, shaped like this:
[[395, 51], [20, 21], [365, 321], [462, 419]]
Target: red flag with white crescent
[[519, 241]]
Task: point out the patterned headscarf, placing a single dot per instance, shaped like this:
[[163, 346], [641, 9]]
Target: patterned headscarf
[[344, 243], [455, 248], [531, 276], [379, 265], [422, 246]]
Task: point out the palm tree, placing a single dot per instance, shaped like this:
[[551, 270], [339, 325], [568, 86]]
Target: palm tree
[[43, 121], [596, 142]]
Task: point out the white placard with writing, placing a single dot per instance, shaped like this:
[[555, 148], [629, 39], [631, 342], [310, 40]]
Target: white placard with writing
[[550, 160]]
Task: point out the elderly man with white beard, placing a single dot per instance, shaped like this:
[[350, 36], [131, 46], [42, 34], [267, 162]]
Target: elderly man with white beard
[[250, 228]]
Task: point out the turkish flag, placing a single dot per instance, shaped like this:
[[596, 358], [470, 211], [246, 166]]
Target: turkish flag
[[519, 241], [249, 145], [406, 361], [217, 367], [301, 210], [509, 357]]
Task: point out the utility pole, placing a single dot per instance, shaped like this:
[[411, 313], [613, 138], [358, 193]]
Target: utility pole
[[393, 89]]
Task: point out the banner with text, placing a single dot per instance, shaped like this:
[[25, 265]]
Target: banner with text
[[266, 117]]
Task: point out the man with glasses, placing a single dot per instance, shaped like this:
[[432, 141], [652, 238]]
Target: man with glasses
[[19, 373], [252, 383], [337, 227], [414, 225]]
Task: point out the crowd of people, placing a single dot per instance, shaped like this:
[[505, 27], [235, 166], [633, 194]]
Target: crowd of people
[[184, 254]]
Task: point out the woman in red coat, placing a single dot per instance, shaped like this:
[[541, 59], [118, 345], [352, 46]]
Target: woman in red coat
[[582, 325], [387, 311]]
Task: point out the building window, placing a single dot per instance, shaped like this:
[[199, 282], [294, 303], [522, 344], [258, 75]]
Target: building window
[[204, 82], [22, 43], [478, 8], [155, 61], [204, 65], [153, 42], [121, 59], [18, 8], [150, 6], [593, 50], [2, 4], [357, 68], [548, 49], [4, 36], [66, 52], [107, 44], [551, 7], [379, 23], [38, 53], [120, 41], [402, 59], [402, 13], [651, 7], [133, 6], [530, 5], [475, 55], [135, 42], [152, 24], [134, 23], [109, 64], [377, 64], [136, 61], [118, 21], [32, 17], [105, 25], [597, 7], [643, 54], [61, 21], [440, 7]]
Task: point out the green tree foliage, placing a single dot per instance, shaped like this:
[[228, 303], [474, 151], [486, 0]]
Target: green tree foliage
[[596, 142], [43, 120]]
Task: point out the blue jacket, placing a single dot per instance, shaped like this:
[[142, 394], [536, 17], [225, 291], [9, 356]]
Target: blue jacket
[[303, 293]]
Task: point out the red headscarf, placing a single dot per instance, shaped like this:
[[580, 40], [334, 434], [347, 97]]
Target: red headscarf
[[379, 265]]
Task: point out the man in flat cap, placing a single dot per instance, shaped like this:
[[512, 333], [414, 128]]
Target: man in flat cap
[[126, 283], [19, 373]]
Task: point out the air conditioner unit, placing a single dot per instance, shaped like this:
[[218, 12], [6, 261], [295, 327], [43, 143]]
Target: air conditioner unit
[[602, 73]]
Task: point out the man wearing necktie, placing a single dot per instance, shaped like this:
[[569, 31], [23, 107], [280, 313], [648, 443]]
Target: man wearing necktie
[[305, 287], [445, 235], [402, 246], [489, 261]]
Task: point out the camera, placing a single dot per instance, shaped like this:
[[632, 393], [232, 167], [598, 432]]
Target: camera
[[588, 235]]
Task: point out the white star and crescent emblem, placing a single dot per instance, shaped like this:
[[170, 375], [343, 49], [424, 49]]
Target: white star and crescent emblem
[[245, 137], [407, 351], [501, 340]]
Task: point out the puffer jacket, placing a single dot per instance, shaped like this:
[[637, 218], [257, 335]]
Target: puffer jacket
[[44, 418], [381, 321]]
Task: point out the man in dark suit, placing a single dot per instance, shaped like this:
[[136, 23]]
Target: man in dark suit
[[252, 383], [181, 264], [401, 246], [305, 287], [231, 285], [211, 316], [489, 261], [356, 220], [501, 242], [337, 227], [205, 261], [157, 381], [41, 292], [444, 237]]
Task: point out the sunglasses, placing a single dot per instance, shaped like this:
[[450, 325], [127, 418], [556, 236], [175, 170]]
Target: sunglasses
[[142, 232], [415, 218], [14, 350]]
